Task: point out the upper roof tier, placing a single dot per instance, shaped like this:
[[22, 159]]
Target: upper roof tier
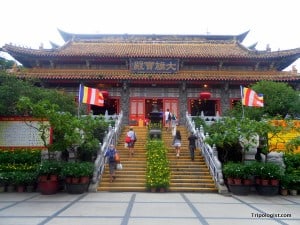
[[146, 37], [199, 48]]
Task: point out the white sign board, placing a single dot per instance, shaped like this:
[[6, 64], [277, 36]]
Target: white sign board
[[20, 132]]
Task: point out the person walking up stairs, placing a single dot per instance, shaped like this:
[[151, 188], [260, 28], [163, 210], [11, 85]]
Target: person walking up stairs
[[187, 175], [133, 175]]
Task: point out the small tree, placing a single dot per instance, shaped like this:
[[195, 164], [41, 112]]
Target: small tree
[[227, 133], [280, 100]]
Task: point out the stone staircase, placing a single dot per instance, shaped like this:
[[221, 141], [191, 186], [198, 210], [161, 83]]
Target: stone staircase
[[186, 175], [133, 175]]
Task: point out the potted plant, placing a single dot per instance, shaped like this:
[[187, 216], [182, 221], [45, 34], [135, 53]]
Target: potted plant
[[30, 181], [293, 183], [78, 170], [77, 176], [292, 172], [238, 173], [10, 183], [267, 172], [48, 174], [284, 184], [3, 181], [49, 169], [234, 171]]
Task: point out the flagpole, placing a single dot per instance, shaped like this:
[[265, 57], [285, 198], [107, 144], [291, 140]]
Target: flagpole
[[243, 111], [242, 97], [79, 101]]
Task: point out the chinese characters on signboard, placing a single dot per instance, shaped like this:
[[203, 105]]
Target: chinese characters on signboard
[[16, 133], [154, 65]]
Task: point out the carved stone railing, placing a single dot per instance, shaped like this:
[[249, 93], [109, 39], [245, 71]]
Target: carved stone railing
[[209, 153], [111, 137], [208, 119]]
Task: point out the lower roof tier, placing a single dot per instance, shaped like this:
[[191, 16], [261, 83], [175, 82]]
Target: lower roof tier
[[119, 75]]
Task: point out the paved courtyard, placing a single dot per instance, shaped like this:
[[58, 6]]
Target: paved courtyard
[[114, 208]]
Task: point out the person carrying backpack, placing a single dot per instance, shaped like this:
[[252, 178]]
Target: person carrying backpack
[[173, 124], [133, 138], [192, 145], [110, 153]]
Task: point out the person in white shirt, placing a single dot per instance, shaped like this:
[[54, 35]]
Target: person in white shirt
[[133, 139], [168, 118]]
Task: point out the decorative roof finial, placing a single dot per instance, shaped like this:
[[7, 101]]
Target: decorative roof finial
[[41, 46]]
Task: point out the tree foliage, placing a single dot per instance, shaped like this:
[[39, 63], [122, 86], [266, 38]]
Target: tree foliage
[[226, 134], [13, 90], [280, 100], [6, 64], [25, 98]]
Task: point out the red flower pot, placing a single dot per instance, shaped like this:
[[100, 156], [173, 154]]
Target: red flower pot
[[230, 180], [84, 180], [274, 182], [247, 182], [237, 181], [48, 187], [75, 180], [264, 182]]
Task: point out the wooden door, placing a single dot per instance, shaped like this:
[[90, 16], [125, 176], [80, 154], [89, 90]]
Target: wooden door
[[172, 105], [137, 111]]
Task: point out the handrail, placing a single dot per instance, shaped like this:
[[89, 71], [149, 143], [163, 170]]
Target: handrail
[[111, 137], [209, 153]]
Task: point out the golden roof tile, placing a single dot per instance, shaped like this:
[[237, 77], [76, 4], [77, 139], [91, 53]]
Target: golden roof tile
[[58, 74]]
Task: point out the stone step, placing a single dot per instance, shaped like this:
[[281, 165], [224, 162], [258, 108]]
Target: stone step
[[123, 189], [192, 189], [186, 175]]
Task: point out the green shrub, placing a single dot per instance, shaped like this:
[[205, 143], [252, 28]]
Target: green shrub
[[77, 169], [20, 156], [158, 170], [49, 167], [234, 170]]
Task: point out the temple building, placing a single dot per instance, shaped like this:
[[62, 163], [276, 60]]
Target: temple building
[[183, 73]]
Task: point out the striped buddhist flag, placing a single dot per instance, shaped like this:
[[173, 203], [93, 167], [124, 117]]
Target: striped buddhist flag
[[90, 96], [251, 98]]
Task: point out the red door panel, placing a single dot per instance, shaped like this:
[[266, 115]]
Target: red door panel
[[137, 110]]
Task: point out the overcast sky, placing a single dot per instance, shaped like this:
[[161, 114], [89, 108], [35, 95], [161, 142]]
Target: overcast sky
[[32, 22]]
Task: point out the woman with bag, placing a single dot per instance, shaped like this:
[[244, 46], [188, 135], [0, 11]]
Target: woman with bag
[[131, 134], [113, 159], [177, 143]]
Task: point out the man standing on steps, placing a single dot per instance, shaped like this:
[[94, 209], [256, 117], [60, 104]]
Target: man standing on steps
[[192, 145]]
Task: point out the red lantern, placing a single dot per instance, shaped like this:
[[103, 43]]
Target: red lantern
[[105, 94], [204, 95]]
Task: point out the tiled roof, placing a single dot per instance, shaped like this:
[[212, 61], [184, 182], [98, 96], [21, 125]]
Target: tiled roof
[[55, 74], [143, 37], [203, 50]]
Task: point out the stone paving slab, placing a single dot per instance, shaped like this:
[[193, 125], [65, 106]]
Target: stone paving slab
[[115, 208]]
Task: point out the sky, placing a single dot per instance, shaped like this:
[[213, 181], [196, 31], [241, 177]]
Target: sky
[[31, 23]]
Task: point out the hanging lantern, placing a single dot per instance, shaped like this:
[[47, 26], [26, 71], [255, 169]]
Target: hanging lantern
[[105, 94], [204, 95]]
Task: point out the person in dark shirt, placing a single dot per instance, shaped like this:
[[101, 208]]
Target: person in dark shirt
[[110, 154], [192, 145]]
